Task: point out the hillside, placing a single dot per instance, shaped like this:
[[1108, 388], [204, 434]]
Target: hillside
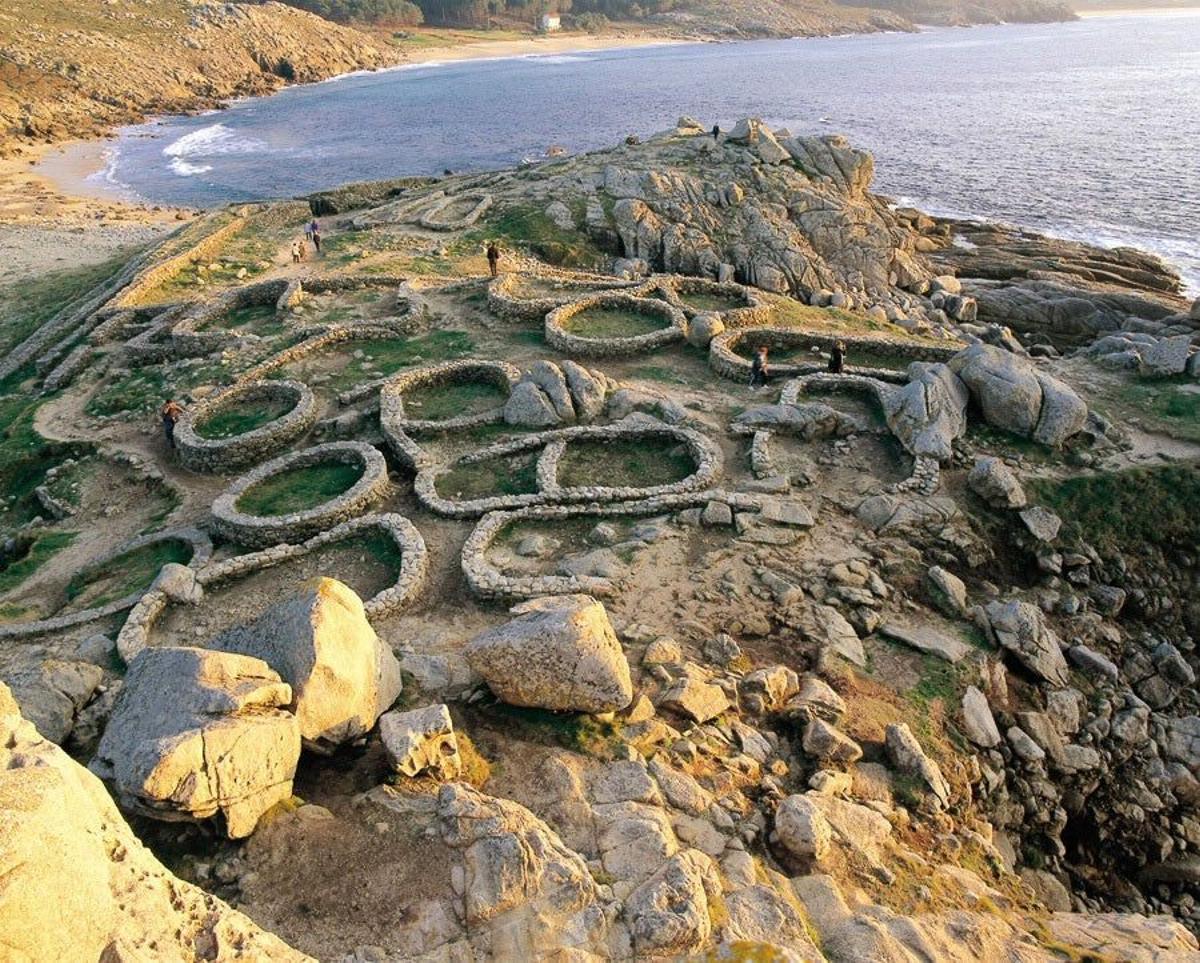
[[961, 13], [496, 613], [76, 68]]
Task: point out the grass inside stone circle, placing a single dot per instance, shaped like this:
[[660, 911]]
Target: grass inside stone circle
[[701, 301], [623, 462], [299, 489], [439, 402], [242, 416], [516, 475], [121, 576], [605, 322]]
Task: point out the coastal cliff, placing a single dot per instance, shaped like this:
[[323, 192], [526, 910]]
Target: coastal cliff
[[77, 69]]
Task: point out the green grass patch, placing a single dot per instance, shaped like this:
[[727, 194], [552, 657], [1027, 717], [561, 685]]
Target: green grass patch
[[579, 733], [699, 301], [299, 489], [40, 551], [245, 416], [1126, 509], [530, 227], [612, 323], [382, 549], [387, 356], [1165, 405], [30, 303], [495, 476], [25, 457], [622, 462], [125, 574], [140, 391], [438, 402]]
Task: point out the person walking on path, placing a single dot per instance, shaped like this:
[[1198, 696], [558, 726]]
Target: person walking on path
[[312, 229], [295, 252], [716, 131], [758, 368], [493, 256], [837, 357], [316, 237], [172, 411]]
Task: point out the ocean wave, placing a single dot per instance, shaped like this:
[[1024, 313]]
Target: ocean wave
[[554, 58], [181, 167], [188, 152]]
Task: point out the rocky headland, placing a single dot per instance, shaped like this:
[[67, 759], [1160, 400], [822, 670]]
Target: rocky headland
[[477, 617]]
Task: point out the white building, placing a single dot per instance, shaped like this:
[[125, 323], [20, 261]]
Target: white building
[[550, 22]]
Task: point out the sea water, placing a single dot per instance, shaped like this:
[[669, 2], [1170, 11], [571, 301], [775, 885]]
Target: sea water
[[1089, 130]]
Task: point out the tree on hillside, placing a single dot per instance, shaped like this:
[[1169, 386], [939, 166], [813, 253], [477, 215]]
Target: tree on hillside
[[398, 12]]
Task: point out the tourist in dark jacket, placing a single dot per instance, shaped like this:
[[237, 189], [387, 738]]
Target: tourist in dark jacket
[[758, 368], [172, 411], [493, 256], [837, 358]]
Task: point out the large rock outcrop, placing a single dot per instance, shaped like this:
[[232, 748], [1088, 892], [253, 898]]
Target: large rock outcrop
[[511, 858], [788, 214], [343, 676], [928, 413], [558, 653], [1021, 628], [195, 733], [1016, 397], [77, 884]]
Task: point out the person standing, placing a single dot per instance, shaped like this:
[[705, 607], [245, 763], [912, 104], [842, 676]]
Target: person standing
[[172, 411], [316, 237], [758, 368], [716, 131], [837, 357], [493, 257], [295, 252]]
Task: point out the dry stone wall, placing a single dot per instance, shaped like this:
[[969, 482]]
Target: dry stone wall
[[396, 425], [487, 581], [705, 455], [414, 569], [504, 302], [220, 455], [201, 547], [263, 530], [725, 361], [578, 346]]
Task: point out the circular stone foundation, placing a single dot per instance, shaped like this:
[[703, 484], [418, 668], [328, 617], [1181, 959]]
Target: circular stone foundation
[[237, 451], [724, 359], [505, 300], [261, 530], [549, 447], [737, 305], [394, 420], [577, 345]]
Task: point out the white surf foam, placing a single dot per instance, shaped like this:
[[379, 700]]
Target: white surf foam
[[189, 151]]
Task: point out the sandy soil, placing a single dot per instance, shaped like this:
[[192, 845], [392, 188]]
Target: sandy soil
[[47, 226]]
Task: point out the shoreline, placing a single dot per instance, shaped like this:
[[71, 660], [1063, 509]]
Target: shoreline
[[1136, 11], [56, 214], [70, 167]]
